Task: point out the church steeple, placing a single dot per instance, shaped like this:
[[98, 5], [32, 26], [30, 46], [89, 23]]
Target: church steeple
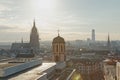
[[34, 23], [34, 29], [34, 38], [58, 45], [108, 42], [21, 40]]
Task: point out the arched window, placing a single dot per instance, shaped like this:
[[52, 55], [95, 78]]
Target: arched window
[[61, 48], [56, 48]]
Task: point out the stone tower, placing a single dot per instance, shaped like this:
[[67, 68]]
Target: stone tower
[[34, 38], [58, 46]]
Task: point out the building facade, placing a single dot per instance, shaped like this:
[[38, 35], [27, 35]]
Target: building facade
[[58, 46], [27, 47], [118, 71], [109, 69], [89, 67]]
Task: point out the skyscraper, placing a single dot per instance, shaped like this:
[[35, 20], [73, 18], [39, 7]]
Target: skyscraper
[[93, 35], [108, 43]]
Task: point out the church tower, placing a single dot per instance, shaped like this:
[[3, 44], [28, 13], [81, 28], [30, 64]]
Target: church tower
[[34, 38], [58, 46]]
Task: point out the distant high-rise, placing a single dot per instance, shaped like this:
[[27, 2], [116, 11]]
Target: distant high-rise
[[108, 43], [34, 38], [93, 35]]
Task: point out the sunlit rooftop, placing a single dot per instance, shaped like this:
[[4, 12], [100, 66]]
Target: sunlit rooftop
[[34, 73]]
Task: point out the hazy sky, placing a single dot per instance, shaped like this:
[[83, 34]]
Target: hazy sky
[[74, 18]]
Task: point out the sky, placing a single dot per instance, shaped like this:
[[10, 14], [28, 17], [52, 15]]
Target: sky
[[74, 18]]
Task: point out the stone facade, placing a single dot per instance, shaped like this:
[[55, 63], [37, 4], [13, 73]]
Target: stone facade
[[58, 46]]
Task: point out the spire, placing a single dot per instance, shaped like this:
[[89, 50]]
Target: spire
[[34, 37], [34, 29], [22, 40], [34, 23], [108, 39]]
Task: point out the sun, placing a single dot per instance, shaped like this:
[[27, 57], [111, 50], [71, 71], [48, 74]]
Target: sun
[[43, 4], [43, 11], [41, 8]]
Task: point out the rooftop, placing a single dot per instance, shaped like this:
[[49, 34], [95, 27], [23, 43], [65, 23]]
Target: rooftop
[[34, 73], [7, 65]]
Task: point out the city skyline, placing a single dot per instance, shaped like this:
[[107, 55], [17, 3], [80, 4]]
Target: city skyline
[[74, 18]]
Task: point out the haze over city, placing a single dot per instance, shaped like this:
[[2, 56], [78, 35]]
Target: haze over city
[[59, 39], [74, 18]]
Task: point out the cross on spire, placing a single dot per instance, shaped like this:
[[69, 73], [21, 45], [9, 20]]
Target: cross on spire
[[58, 32]]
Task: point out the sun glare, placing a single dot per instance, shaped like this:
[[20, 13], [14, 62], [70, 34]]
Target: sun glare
[[43, 11], [43, 4]]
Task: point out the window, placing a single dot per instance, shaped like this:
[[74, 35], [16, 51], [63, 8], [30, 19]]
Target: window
[[56, 48], [61, 48]]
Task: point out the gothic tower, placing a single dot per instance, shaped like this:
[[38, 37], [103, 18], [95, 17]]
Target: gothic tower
[[58, 45], [34, 38]]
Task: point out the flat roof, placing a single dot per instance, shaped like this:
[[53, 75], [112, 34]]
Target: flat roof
[[7, 65], [33, 73]]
